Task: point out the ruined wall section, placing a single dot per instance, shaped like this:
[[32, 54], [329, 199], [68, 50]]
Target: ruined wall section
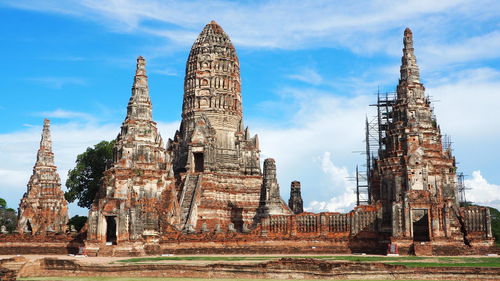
[[477, 223], [224, 200], [270, 199], [132, 197], [363, 220], [295, 202], [43, 208]]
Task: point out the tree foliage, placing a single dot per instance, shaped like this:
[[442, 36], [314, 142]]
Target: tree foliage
[[495, 224], [78, 222], [3, 203], [8, 216], [84, 180]]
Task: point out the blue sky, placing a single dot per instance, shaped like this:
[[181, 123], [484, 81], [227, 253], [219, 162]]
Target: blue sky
[[309, 71]]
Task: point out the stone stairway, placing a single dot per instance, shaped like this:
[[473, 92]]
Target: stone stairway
[[188, 197], [107, 251], [11, 267]]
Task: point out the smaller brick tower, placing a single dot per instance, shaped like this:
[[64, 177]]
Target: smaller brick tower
[[270, 199], [295, 202], [129, 205], [414, 177], [43, 207]]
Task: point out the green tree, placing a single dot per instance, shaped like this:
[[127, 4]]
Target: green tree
[[495, 224], [3, 203], [8, 216], [78, 222], [84, 180]]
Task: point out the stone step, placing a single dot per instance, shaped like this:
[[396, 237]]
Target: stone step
[[13, 265], [190, 188]]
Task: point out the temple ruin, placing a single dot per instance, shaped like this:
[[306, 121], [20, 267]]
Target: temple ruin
[[43, 208], [295, 202], [138, 190], [204, 191], [414, 176], [215, 159]]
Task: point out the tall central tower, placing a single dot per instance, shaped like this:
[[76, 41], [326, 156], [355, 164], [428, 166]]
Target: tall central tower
[[213, 154], [212, 137], [212, 85]]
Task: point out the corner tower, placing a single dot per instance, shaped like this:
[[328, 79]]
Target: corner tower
[[212, 136], [130, 204], [43, 207], [415, 175]]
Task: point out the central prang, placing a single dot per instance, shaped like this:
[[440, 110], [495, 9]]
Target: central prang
[[212, 137]]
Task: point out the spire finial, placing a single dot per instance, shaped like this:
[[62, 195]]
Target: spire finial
[[45, 156], [139, 105], [46, 141], [409, 68], [141, 67], [408, 38]]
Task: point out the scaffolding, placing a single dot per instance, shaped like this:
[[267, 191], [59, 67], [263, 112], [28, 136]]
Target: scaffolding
[[462, 188], [375, 134], [385, 102], [362, 187], [446, 143]]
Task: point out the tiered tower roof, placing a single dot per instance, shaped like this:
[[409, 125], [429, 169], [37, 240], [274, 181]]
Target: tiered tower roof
[[139, 106], [212, 83], [139, 143]]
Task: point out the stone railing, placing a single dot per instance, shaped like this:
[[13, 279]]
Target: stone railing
[[323, 224], [477, 221]]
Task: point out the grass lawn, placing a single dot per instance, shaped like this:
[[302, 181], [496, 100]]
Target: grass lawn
[[454, 261], [264, 258], [403, 260]]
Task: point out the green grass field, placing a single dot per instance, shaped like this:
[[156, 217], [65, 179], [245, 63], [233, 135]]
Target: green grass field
[[411, 261]]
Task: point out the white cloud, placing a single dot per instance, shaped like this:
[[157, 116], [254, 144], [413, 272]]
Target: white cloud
[[322, 126], [474, 48], [57, 82], [18, 150], [307, 75], [321, 122], [341, 181], [468, 102], [66, 114], [165, 71], [482, 192], [446, 29]]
